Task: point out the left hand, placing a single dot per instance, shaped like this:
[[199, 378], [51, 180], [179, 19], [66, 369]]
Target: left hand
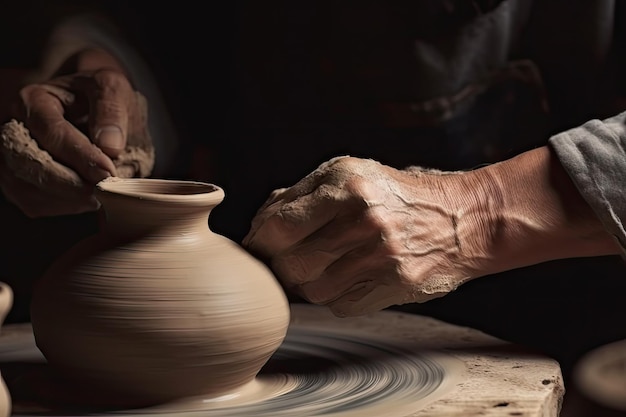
[[360, 236], [79, 127]]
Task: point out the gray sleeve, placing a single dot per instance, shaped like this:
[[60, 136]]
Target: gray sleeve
[[594, 156]]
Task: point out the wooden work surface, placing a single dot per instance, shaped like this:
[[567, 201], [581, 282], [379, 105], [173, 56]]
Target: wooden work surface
[[486, 376], [501, 379]]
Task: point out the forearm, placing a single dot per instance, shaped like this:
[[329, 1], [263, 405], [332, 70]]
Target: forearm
[[543, 216]]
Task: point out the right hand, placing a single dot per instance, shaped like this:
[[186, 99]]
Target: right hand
[[360, 236], [80, 123]]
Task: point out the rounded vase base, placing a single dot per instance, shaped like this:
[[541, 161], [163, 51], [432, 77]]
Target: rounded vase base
[[37, 390]]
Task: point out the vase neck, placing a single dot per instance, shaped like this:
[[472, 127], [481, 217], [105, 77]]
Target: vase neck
[[141, 218], [140, 206]]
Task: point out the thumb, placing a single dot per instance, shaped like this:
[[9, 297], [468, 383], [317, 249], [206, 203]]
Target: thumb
[[110, 95], [109, 137]]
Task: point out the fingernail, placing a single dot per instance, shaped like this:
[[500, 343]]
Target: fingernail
[[98, 171], [109, 137]]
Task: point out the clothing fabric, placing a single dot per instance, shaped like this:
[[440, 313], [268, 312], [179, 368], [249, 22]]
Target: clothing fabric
[[594, 156]]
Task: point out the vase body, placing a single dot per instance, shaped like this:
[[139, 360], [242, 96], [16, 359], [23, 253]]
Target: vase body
[[157, 307]]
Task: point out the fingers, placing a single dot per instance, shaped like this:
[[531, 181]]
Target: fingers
[[366, 265], [283, 223], [365, 298], [359, 236], [291, 214], [319, 238], [312, 256], [76, 125], [110, 96], [36, 183], [369, 278], [44, 117], [362, 281]]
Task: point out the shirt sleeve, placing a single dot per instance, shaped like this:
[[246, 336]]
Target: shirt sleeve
[[594, 156]]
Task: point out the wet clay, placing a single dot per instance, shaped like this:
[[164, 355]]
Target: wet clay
[[27, 161], [157, 307]]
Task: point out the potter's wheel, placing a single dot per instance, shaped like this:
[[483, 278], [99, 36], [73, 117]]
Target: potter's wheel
[[386, 364]]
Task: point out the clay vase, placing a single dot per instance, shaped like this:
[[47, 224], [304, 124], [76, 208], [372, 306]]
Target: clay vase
[[157, 307], [6, 302]]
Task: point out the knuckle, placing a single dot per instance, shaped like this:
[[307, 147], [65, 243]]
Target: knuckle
[[292, 269], [274, 197], [314, 292], [340, 309], [323, 290], [285, 221], [29, 94], [347, 163], [371, 219], [315, 295], [40, 102], [30, 90], [327, 193], [54, 136], [109, 110], [111, 79], [353, 165]]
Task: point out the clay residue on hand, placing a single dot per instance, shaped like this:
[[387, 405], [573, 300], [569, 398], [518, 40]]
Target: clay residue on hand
[[135, 162], [23, 156], [138, 158], [27, 160]]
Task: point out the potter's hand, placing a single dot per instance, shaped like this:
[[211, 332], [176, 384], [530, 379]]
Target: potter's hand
[[79, 126], [359, 236]]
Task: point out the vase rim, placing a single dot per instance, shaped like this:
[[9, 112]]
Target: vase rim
[[162, 190]]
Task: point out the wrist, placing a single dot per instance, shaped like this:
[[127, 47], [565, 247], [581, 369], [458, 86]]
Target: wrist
[[542, 215], [476, 202]]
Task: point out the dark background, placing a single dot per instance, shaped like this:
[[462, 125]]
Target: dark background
[[261, 95]]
